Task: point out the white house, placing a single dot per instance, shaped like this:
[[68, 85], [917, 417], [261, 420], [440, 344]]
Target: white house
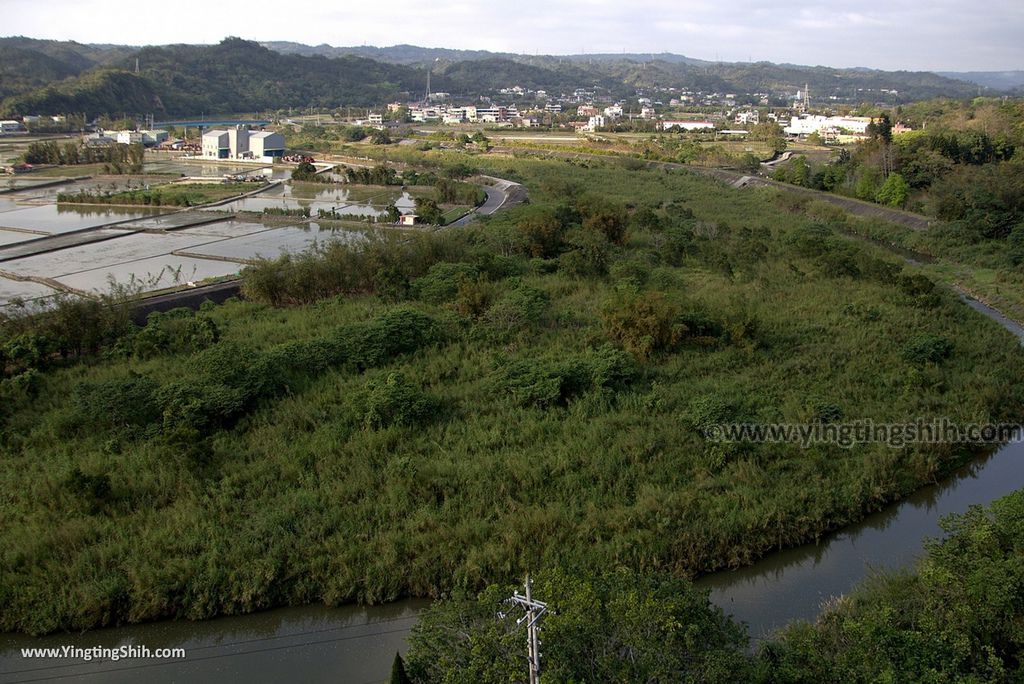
[[595, 123], [751, 116]]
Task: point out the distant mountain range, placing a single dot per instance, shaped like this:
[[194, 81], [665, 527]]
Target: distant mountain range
[[996, 80], [43, 76]]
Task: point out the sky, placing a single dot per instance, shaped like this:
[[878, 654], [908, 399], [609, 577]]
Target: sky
[[929, 35]]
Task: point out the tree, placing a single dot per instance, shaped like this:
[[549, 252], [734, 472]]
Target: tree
[[771, 133], [305, 171], [429, 212], [956, 619], [868, 183], [893, 192], [881, 129], [398, 675], [618, 626], [1016, 244], [541, 231]]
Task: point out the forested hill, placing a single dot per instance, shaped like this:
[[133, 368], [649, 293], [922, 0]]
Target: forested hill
[[668, 69], [238, 75], [233, 76]]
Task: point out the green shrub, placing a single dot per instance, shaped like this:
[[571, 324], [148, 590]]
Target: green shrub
[[927, 349], [545, 383], [121, 403], [236, 366], [93, 490], [644, 323], [176, 331], [192, 409], [519, 307], [29, 350], [441, 283], [541, 232], [399, 331], [473, 297], [589, 256], [395, 401]]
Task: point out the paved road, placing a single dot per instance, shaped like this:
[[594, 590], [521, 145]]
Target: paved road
[[495, 199]]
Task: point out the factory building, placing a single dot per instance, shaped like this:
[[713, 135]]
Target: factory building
[[241, 143]]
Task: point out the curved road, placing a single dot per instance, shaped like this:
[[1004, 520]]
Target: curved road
[[495, 199]]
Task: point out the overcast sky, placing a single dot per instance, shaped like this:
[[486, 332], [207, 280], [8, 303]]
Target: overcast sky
[[940, 35]]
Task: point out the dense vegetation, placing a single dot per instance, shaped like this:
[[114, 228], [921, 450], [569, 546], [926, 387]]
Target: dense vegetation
[[954, 618], [116, 158], [169, 195], [443, 411], [234, 76], [965, 169]]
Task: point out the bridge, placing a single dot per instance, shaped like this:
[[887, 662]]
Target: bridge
[[208, 124]]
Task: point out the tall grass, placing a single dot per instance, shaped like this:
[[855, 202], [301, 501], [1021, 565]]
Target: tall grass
[[513, 436]]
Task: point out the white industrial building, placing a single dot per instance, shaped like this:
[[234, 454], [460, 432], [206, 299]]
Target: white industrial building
[[809, 123], [241, 143]]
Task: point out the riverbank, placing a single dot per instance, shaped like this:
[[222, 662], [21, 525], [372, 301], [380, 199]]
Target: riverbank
[[469, 464]]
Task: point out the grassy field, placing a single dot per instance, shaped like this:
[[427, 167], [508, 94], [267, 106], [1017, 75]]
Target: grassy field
[[451, 410], [981, 268]]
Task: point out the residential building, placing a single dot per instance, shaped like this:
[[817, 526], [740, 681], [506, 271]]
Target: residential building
[[595, 123]]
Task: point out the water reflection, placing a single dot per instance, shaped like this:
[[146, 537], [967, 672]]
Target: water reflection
[[308, 644], [792, 584]]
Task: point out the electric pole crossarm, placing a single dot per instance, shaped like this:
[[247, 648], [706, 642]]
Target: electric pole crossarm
[[534, 611]]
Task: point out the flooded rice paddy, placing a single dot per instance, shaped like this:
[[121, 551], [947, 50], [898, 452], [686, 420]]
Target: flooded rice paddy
[[46, 247]]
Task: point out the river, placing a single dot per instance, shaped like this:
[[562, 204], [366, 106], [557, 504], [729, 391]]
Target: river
[[356, 645]]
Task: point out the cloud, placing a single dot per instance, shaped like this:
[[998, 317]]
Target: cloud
[[897, 34]]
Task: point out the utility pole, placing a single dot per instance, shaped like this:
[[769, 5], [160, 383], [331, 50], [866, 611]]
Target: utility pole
[[534, 611]]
